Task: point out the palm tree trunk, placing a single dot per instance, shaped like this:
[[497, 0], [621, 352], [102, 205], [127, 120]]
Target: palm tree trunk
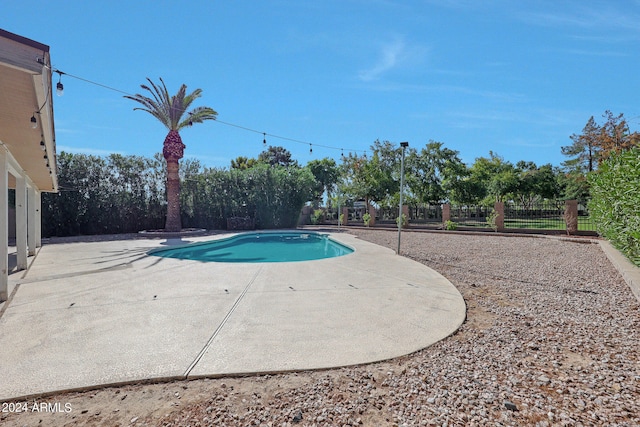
[[173, 196], [172, 151]]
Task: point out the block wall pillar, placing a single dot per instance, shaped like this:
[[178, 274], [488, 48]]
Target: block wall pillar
[[499, 208]]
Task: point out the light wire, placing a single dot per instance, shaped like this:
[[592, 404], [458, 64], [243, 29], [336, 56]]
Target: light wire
[[284, 138]]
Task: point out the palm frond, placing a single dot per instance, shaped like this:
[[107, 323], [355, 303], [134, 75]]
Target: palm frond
[[198, 115], [170, 110]]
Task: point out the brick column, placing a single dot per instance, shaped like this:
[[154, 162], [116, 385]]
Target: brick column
[[446, 213], [499, 208], [571, 216], [372, 212]]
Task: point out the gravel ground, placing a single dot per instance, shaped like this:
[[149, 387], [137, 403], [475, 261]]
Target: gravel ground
[[552, 337]]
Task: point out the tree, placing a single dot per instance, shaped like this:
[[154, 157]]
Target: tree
[[326, 173], [497, 177], [615, 136], [585, 150], [243, 163], [534, 183], [383, 172], [373, 179], [573, 186], [596, 143], [434, 172], [277, 156], [170, 111]]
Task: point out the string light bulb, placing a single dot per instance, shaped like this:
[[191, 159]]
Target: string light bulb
[[310, 149], [264, 139], [59, 86], [34, 122]]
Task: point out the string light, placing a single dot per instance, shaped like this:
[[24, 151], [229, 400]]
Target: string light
[[60, 89], [59, 86]]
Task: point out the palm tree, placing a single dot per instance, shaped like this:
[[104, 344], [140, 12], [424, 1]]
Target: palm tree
[[170, 110]]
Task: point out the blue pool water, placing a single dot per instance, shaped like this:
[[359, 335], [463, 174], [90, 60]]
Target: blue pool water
[[261, 247]]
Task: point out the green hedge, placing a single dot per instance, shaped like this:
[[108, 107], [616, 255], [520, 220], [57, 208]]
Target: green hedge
[[126, 194], [105, 195], [273, 195], [615, 202]]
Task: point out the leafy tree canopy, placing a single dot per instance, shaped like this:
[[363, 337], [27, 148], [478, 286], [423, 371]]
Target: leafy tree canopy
[[243, 163], [276, 155], [326, 173]]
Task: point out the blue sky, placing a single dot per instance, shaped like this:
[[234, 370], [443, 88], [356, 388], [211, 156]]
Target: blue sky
[[514, 77]]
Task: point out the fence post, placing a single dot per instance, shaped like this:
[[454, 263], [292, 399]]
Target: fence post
[[446, 213], [345, 216], [405, 212], [499, 208], [372, 212], [571, 216]]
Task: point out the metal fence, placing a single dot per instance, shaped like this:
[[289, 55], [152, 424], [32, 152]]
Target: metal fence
[[387, 215], [471, 216], [421, 214], [425, 214], [545, 215], [354, 215], [585, 222]]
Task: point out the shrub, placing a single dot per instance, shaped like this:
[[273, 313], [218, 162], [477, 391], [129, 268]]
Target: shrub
[[316, 216], [491, 219], [125, 194], [402, 221], [615, 200], [366, 218], [450, 225], [272, 195]]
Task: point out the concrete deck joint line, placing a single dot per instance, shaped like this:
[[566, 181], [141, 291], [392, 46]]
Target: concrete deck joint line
[[221, 325]]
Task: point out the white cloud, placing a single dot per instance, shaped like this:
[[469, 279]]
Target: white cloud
[[392, 55]]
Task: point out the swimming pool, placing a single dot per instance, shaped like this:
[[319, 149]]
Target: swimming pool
[[261, 247]]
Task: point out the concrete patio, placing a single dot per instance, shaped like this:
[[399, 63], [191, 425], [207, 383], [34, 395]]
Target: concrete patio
[[95, 313]]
